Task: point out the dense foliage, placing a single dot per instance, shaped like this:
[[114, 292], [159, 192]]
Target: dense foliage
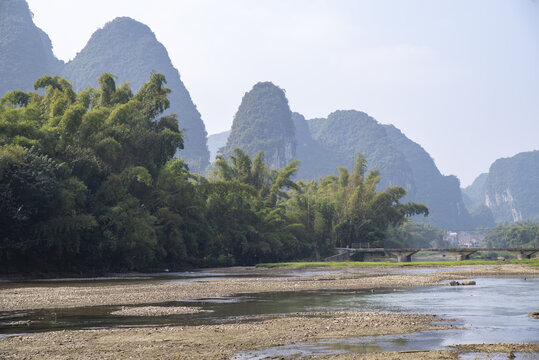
[[400, 161], [349, 132], [346, 209], [130, 50], [415, 235], [321, 144], [519, 235], [88, 182], [123, 47]]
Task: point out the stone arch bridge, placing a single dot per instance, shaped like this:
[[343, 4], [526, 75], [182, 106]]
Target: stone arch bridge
[[405, 255]]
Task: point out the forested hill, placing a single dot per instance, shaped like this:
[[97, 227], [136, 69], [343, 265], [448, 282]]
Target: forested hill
[[123, 47], [88, 184], [441, 193], [264, 123], [510, 190], [474, 194], [216, 142], [129, 49], [25, 50], [324, 144], [400, 160], [346, 132], [316, 160]]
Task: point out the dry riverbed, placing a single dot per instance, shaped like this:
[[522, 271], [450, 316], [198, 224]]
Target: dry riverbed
[[224, 340], [43, 297], [208, 341]]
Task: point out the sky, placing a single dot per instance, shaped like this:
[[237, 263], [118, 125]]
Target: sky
[[459, 77]]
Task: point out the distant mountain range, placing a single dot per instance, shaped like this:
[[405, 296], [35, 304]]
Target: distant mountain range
[[124, 47], [264, 121], [324, 144]]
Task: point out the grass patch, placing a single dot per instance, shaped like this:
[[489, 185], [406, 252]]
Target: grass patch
[[531, 262]]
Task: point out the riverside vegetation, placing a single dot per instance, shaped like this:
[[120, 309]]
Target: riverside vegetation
[[88, 183], [130, 50]]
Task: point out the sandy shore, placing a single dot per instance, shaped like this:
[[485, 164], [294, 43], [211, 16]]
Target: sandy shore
[[44, 297], [207, 341], [225, 340]]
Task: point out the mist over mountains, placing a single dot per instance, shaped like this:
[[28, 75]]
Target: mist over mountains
[[265, 121]]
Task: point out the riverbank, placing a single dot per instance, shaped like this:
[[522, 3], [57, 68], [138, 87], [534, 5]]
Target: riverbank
[[209, 341], [241, 333], [44, 296]]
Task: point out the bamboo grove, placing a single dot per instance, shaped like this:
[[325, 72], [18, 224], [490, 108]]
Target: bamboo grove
[[89, 183]]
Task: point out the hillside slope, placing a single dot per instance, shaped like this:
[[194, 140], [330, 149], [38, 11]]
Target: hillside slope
[[25, 50], [129, 50], [441, 193], [511, 190], [263, 122]]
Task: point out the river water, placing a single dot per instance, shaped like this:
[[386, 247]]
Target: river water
[[495, 310]]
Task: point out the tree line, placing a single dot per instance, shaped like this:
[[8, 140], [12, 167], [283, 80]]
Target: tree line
[[519, 235], [89, 183]]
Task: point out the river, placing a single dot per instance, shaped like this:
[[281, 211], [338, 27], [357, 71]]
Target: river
[[494, 310]]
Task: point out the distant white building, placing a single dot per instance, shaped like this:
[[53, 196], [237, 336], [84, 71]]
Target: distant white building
[[451, 237], [464, 239]]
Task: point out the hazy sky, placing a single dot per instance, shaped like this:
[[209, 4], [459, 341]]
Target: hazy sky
[[461, 78]]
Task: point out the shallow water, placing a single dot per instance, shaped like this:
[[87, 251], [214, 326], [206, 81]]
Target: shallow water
[[495, 310], [420, 341], [132, 279]]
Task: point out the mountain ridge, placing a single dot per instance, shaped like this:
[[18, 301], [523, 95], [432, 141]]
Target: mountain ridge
[[123, 47], [264, 123], [25, 50], [130, 50]]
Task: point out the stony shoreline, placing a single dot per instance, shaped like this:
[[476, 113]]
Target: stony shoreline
[[222, 341], [46, 297], [209, 341]]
